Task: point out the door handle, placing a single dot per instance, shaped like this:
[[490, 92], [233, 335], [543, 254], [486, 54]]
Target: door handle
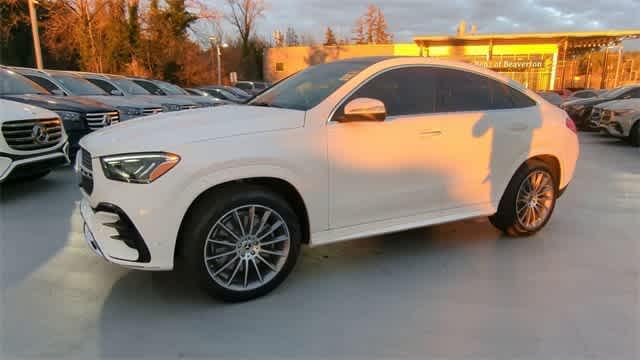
[[518, 127], [427, 133]]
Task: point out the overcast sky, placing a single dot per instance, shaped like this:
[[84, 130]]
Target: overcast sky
[[408, 18]]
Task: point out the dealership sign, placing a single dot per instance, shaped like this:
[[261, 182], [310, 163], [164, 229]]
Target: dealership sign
[[510, 65]]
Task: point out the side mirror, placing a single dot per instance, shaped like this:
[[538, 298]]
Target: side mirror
[[58, 92], [364, 109], [115, 92]]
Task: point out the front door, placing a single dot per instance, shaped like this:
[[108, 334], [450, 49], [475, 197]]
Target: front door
[[388, 169]]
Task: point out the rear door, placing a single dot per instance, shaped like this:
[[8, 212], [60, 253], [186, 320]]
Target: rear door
[[486, 126]]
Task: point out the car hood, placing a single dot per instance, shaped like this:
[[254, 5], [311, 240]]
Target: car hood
[[117, 101], [11, 110], [587, 102], [164, 131], [59, 103], [622, 104]]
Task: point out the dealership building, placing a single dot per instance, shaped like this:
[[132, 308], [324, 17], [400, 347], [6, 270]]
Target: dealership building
[[540, 61]]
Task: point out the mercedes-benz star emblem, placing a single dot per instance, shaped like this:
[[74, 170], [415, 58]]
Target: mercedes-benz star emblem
[[40, 135]]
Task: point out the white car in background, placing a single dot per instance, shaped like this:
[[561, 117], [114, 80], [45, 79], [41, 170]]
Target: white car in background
[[622, 119], [32, 141], [339, 151]]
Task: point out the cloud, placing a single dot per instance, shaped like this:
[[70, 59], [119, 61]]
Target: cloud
[[408, 18]]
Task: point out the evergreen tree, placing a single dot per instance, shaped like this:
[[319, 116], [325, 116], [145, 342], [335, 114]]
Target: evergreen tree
[[370, 20], [359, 32], [291, 37], [380, 33], [178, 18], [330, 37]]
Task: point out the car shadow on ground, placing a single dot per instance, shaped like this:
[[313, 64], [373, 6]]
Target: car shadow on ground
[[336, 277], [30, 232]]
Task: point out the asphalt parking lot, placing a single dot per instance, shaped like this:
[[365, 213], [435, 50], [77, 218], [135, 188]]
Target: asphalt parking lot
[[456, 291]]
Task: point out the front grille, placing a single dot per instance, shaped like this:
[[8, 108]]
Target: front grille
[[595, 114], [97, 121], [151, 111], [187, 107], [86, 171], [29, 135]]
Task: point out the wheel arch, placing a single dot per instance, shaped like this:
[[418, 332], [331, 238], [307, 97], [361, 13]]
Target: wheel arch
[[550, 160], [280, 186]]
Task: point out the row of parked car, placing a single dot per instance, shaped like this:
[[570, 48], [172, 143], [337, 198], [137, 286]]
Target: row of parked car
[[615, 112], [44, 113]]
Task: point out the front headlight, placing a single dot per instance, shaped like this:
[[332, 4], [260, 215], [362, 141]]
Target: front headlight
[[130, 111], [138, 168], [170, 107]]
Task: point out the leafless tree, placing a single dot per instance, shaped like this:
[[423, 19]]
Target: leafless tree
[[243, 16]]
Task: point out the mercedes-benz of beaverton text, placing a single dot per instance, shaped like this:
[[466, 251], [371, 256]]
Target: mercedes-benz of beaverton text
[[67, 84], [79, 115], [339, 151], [33, 141], [581, 112], [163, 88], [621, 119], [121, 86]]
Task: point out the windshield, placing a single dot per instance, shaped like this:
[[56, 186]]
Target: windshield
[[309, 87], [227, 94], [129, 87], [78, 86], [170, 88], [13, 84], [237, 91]]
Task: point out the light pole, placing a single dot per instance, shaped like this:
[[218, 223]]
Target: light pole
[[34, 32], [215, 41]]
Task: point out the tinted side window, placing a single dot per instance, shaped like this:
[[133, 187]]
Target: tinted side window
[[45, 83], [104, 85], [463, 91], [519, 99], [404, 91], [244, 86]]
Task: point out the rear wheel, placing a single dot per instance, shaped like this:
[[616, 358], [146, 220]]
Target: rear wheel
[[634, 135], [528, 202], [241, 244]]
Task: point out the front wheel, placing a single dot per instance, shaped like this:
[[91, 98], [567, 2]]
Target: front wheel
[[528, 202], [241, 243]]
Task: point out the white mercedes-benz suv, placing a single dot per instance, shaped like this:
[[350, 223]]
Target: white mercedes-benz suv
[[32, 141], [339, 151]]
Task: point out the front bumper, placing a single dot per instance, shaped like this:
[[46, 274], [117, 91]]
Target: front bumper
[[17, 166], [110, 233]]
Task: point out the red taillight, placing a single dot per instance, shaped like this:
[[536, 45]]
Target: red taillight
[[571, 125]]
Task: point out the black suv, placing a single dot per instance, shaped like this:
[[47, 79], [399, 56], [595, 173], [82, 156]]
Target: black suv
[[79, 115]]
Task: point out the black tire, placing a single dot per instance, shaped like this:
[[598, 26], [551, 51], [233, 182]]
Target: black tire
[[204, 216], [634, 134], [506, 219]]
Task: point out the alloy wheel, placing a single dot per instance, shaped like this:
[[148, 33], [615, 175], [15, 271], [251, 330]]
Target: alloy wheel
[[535, 200], [247, 247]]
